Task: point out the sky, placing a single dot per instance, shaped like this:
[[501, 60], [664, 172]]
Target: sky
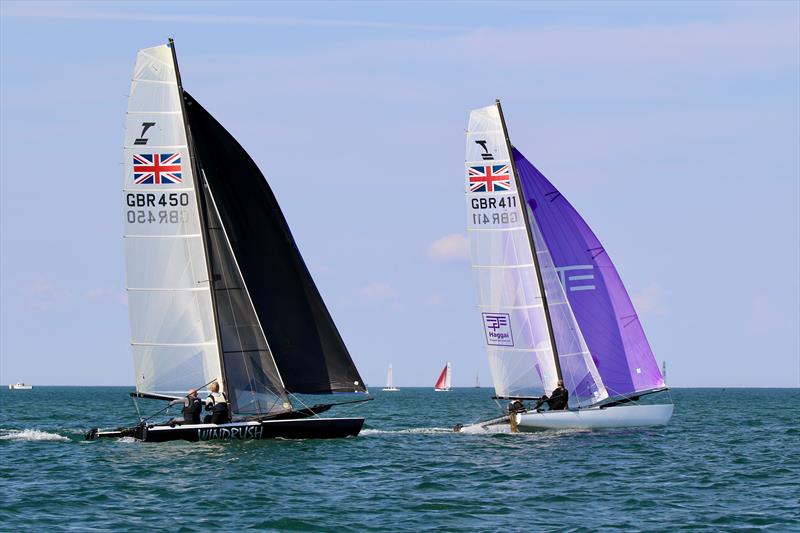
[[672, 127]]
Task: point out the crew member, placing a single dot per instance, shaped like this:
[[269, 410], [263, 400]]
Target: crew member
[[217, 403], [516, 407], [558, 400], [513, 408], [191, 407]]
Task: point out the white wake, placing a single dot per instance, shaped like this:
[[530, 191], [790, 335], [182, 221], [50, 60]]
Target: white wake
[[30, 434], [368, 432]]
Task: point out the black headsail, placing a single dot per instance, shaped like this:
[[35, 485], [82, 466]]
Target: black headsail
[[302, 338]]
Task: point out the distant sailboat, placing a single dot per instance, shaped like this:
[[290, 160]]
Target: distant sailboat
[[477, 381], [217, 288], [552, 304], [443, 383], [390, 382], [20, 386]]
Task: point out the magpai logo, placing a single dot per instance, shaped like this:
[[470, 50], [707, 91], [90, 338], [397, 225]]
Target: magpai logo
[[497, 327]]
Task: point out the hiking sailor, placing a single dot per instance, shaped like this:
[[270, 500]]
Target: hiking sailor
[[558, 399], [191, 407], [217, 403]]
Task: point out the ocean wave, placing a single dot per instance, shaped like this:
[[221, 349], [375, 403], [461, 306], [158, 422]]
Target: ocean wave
[[31, 434]]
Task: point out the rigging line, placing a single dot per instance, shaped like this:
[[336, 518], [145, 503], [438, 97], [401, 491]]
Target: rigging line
[[224, 267], [244, 284], [304, 404], [136, 406], [531, 240], [194, 168]]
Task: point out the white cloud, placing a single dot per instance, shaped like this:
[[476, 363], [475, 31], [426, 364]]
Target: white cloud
[[45, 295], [453, 247], [649, 300], [377, 291]]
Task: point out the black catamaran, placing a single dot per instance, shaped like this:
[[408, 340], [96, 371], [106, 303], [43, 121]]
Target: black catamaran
[[217, 289]]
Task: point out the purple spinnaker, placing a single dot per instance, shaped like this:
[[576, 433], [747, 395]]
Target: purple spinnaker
[[601, 305]]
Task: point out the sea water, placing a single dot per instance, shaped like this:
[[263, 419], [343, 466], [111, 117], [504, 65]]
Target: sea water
[[728, 461]]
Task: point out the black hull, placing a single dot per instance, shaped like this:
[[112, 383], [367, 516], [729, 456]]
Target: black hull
[[306, 428]]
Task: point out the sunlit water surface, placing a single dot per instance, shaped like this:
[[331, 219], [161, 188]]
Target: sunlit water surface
[[729, 460]]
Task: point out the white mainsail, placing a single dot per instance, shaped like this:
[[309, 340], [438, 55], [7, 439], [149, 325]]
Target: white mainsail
[[509, 299], [173, 333]]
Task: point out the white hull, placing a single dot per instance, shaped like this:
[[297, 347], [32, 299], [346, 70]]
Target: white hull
[[390, 389], [442, 390], [20, 386], [620, 416]]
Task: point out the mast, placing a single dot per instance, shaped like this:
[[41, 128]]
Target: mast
[[201, 205], [525, 217]]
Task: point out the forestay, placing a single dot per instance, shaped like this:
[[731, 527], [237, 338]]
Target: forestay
[[173, 334]]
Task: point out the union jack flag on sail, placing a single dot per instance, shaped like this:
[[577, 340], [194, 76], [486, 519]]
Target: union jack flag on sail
[[157, 169], [489, 178]]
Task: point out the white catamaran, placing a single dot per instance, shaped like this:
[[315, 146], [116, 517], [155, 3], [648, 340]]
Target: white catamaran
[[217, 289], [552, 305], [390, 382]]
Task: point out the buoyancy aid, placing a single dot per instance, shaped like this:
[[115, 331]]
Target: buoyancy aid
[[192, 406], [217, 403]]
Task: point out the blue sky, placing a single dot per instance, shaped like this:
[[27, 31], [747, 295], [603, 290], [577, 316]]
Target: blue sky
[[672, 127]]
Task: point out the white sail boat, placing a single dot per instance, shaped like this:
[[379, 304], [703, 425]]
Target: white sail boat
[[217, 289], [552, 304], [390, 382], [20, 386], [443, 383]]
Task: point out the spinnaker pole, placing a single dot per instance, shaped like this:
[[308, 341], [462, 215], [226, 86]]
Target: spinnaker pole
[[201, 208], [525, 217]]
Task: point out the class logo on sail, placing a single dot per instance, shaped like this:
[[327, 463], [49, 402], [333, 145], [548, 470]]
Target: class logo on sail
[[157, 169], [497, 327], [490, 178]]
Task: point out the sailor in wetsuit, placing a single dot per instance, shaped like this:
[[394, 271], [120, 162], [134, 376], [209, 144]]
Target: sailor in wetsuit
[[191, 407], [558, 399], [217, 403]]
